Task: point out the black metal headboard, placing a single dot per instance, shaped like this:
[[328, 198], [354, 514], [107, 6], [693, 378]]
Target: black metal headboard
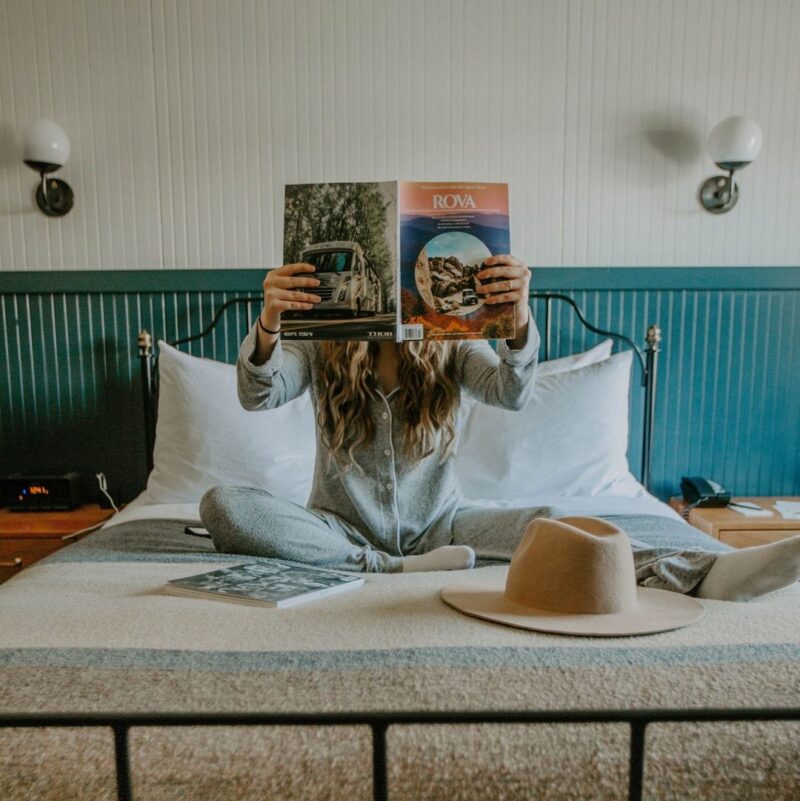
[[647, 359]]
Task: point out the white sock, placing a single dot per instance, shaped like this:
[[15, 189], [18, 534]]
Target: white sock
[[448, 557], [750, 572]]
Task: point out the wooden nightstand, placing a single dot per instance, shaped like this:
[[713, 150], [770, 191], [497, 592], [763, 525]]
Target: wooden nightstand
[[26, 537], [738, 530]]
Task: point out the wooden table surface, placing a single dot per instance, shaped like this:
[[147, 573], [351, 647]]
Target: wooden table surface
[[740, 530], [50, 524]]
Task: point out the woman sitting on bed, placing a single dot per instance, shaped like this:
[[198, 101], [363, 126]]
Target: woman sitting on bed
[[384, 497]]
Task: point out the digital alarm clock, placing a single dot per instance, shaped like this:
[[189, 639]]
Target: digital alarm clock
[[41, 493]]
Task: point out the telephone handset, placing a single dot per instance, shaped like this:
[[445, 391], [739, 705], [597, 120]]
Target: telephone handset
[[699, 491]]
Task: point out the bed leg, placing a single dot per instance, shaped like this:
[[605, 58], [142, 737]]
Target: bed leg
[[380, 785], [636, 761], [123, 765]]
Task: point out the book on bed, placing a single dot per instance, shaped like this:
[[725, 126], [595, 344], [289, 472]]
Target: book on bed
[[274, 583], [397, 260]]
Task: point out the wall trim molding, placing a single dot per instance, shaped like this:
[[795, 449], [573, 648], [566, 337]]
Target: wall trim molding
[[225, 280]]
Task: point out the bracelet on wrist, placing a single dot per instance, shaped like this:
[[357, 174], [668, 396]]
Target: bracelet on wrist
[[265, 329]]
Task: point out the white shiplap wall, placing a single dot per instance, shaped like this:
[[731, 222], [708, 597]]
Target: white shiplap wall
[[188, 116]]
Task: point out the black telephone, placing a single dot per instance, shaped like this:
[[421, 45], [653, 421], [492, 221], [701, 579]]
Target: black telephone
[[704, 492]]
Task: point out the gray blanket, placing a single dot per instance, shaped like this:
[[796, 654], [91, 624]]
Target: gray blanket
[[165, 541]]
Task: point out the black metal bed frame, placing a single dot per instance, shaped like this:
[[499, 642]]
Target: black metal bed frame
[[647, 359], [380, 722]]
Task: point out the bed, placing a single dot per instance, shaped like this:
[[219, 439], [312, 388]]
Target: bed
[[383, 688]]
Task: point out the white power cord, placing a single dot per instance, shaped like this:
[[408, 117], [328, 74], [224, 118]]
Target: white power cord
[[103, 484]]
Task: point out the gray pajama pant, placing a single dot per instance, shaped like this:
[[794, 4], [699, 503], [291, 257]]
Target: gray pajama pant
[[253, 522]]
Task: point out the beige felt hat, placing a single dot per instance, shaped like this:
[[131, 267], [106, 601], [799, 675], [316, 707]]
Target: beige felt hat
[[574, 575]]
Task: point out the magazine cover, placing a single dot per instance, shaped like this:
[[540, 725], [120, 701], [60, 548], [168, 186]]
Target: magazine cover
[[446, 231], [273, 583], [348, 231]]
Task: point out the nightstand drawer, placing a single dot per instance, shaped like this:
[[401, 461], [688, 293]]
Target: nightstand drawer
[[30, 550], [743, 538], [30, 536]]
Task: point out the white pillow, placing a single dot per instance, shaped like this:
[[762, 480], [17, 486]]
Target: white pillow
[[592, 356], [571, 438], [204, 437], [596, 354]]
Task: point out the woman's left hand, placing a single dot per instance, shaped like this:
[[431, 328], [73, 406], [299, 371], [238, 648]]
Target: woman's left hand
[[508, 282]]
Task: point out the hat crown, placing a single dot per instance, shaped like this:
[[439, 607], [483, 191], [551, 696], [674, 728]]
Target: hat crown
[[574, 565]]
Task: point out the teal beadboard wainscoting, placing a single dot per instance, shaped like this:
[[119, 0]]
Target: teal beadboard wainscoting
[[728, 403]]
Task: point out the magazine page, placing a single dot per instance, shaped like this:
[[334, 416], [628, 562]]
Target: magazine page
[[348, 231], [446, 231]]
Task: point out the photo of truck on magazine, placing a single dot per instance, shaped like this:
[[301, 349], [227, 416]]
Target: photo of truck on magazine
[[349, 282], [348, 232]]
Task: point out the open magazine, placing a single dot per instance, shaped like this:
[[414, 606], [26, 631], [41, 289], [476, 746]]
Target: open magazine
[[397, 259]]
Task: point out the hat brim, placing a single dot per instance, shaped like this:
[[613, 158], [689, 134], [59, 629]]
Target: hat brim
[[655, 611]]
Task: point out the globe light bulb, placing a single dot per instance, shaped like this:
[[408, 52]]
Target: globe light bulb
[[735, 142]]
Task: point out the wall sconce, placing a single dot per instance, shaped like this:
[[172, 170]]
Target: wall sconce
[[46, 150], [732, 144]]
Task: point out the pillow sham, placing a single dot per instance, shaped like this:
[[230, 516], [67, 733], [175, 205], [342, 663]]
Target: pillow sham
[[204, 437], [596, 354], [561, 365], [571, 438]]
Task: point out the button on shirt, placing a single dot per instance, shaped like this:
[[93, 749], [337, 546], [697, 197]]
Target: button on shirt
[[395, 505]]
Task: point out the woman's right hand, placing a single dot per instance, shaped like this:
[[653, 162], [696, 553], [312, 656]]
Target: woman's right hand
[[283, 290]]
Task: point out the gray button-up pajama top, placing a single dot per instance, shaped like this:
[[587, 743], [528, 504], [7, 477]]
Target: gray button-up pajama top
[[369, 519]]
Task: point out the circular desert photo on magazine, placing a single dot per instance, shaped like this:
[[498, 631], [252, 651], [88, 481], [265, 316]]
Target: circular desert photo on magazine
[[445, 273]]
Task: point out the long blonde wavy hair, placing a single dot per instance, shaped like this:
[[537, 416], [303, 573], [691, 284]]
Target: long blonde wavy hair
[[428, 398]]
